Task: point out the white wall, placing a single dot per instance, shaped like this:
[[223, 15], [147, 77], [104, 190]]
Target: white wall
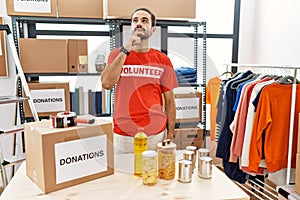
[[269, 32]]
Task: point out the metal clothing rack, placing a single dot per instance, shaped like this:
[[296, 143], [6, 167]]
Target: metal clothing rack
[[293, 103]]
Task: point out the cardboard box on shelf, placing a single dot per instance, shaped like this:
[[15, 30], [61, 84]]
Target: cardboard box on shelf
[[77, 55], [57, 158], [31, 8], [167, 9], [3, 61], [49, 98], [80, 9], [177, 138], [189, 136], [43, 55], [188, 107], [297, 178]]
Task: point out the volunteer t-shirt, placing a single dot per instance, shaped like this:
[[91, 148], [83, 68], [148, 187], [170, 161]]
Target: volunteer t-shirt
[[138, 98]]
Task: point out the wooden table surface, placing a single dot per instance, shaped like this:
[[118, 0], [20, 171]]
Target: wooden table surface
[[124, 185]]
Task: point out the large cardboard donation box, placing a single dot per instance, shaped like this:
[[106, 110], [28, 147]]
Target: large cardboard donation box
[[188, 107], [57, 158]]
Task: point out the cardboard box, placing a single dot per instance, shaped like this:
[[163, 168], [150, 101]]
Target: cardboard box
[[297, 178], [43, 55], [57, 158], [77, 56], [80, 9], [49, 98], [177, 138], [188, 107], [3, 61], [31, 8], [189, 136], [167, 9]]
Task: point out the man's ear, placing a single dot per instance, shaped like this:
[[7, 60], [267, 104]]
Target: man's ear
[[153, 29]]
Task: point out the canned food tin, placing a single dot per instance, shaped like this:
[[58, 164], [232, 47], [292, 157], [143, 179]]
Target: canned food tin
[[205, 167], [203, 152], [189, 155], [185, 171], [194, 149]]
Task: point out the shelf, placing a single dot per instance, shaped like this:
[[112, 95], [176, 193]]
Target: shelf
[[12, 99], [13, 129], [62, 74]]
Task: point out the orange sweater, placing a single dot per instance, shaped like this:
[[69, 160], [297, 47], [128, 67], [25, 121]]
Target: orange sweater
[[273, 119], [212, 97]]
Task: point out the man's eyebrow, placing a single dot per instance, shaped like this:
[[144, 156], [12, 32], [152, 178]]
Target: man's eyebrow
[[142, 18]]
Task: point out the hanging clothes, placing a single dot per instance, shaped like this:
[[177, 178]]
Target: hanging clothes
[[272, 123], [244, 153], [212, 97], [232, 170]]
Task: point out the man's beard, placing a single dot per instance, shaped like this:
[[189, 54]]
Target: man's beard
[[144, 36]]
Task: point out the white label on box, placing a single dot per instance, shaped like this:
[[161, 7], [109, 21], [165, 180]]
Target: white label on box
[[32, 6], [49, 100], [79, 158], [187, 108]]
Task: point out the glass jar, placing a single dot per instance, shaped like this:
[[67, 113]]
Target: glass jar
[[166, 160], [149, 167]]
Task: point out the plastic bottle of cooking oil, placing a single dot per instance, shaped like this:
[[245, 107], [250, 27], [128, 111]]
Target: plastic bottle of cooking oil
[[140, 145]]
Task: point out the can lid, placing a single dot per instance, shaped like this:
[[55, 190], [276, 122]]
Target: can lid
[[203, 150], [149, 153], [189, 152], [185, 162], [206, 158], [192, 148]]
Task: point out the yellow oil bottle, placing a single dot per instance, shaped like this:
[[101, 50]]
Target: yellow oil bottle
[[140, 145]]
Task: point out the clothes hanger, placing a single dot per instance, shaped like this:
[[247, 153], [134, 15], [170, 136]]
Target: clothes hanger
[[226, 73], [287, 80]]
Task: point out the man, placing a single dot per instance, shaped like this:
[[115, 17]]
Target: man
[[141, 74]]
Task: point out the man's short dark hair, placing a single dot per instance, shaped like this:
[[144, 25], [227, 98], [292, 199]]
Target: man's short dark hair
[[153, 18]]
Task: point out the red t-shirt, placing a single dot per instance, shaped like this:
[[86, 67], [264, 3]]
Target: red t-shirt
[[138, 97]]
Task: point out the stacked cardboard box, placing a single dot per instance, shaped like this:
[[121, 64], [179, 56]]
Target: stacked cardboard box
[[53, 55], [49, 98], [188, 116], [101, 9], [3, 63], [188, 136]]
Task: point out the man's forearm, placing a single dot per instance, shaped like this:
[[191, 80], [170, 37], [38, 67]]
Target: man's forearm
[[171, 114], [111, 74]]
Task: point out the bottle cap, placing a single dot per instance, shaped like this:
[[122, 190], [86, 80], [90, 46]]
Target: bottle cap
[[140, 129]]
